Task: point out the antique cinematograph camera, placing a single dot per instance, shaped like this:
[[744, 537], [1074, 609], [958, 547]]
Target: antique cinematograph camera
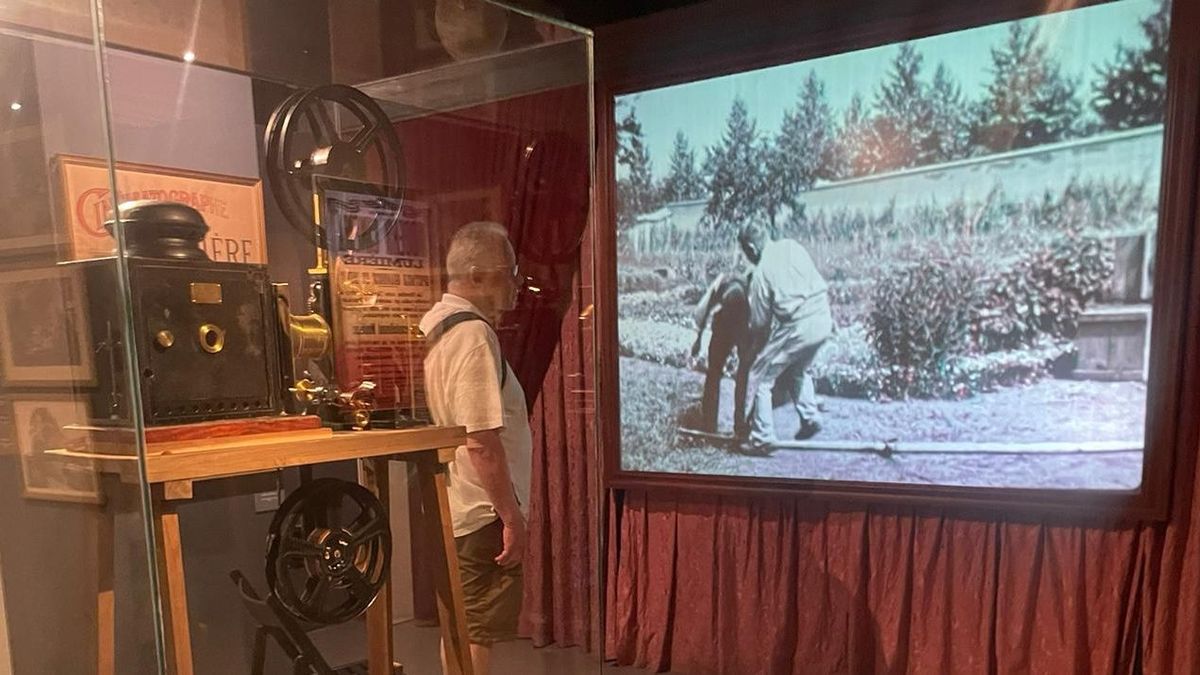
[[304, 146], [204, 331]]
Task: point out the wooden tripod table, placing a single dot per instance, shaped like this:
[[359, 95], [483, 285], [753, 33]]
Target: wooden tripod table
[[172, 472]]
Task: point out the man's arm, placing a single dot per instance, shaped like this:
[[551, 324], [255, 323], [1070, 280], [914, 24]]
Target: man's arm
[[478, 405], [761, 302], [704, 307], [704, 310], [491, 465]]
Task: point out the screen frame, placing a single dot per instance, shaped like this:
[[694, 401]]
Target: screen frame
[[678, 47]]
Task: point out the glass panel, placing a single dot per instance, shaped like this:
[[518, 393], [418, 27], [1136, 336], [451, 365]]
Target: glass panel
[[333, 150], [76, 559]]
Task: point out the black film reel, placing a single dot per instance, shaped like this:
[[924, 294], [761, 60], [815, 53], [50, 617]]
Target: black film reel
[[328, 551], [302, 140]]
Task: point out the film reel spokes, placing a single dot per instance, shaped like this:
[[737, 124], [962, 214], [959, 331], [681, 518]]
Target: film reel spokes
[[303, 141], [322, 571]]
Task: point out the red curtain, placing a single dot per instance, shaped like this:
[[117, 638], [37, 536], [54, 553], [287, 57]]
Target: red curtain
[[741, 585], [525, 163], [562, 573]]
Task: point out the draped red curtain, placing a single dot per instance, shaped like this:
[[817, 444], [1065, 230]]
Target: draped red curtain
[[525, 162], [562, 570], [742, 585]]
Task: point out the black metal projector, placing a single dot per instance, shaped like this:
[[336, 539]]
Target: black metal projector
[[205, 333]]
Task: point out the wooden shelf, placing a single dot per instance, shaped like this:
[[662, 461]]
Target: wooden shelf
[[224, 458]]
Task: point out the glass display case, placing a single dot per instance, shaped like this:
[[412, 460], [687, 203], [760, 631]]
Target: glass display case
[[226, 221]]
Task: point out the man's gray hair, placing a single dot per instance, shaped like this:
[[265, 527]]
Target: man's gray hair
[[479, 244]]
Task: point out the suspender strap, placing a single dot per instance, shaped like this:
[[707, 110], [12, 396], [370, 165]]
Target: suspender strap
[[453, 320]]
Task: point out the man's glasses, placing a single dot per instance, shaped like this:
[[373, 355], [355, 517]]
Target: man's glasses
[[514, 271]]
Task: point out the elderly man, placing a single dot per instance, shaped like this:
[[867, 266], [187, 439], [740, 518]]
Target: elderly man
[[789, 320], [469, 384]]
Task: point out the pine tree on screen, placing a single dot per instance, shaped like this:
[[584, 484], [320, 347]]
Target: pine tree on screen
[[683, 180], [1029, 102], [636, 192], [851, 150], [1131, 90], [949, 136], [903, 115], [803, 151], [735, 172]]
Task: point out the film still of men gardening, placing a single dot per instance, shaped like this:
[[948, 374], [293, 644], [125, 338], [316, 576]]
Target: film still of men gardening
[[928, 262]]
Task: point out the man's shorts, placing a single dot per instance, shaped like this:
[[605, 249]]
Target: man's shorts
[[492, 592]]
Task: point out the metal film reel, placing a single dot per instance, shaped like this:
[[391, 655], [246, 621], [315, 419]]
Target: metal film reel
[[302, 141], [328, 551]]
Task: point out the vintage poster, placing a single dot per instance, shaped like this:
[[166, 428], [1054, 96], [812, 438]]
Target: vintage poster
[[379, 296], [232, 206]]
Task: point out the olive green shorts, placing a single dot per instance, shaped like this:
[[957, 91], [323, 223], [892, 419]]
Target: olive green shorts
[[492, 592]]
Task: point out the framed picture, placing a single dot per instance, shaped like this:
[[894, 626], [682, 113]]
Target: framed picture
[[231, 205], [39, 424], [379, 292], [859, 275], [44, 334]]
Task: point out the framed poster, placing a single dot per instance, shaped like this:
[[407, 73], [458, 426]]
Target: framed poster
[[949, 267], [232, 206], [44, 334], [379, 294], [39, 424]]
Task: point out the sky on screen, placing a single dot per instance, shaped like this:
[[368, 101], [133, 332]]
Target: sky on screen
[[1081, 39]]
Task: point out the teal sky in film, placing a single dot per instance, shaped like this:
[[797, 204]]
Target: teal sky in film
[[1081, 39]]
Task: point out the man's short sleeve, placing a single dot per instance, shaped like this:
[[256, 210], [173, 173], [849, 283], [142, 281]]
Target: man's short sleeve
[[474, 389]]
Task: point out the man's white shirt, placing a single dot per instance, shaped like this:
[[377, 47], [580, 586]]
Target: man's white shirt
[[462, 388]]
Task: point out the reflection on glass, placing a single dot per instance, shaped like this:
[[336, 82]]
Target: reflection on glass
[[75, 560]]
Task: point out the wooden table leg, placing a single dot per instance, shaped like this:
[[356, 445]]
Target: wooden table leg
[[106, 629], [172, 589], [373, 475], [447, 581]]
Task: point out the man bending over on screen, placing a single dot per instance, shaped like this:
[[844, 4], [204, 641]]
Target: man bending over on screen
[[789, 321], [724, 309], [469, 384]]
